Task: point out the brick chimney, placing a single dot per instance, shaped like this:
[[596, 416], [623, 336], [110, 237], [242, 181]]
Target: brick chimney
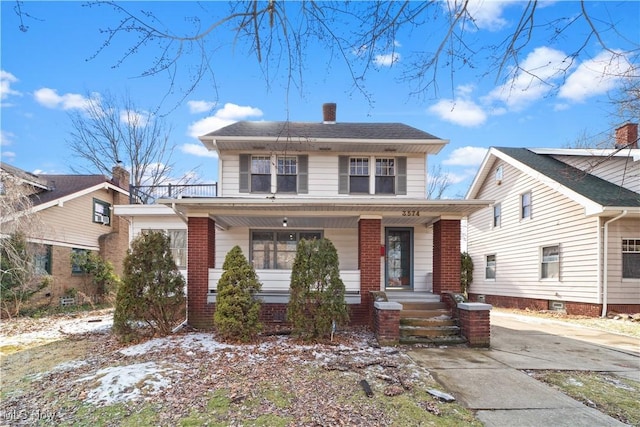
[[627, 136], [120, 176], [329, 112]]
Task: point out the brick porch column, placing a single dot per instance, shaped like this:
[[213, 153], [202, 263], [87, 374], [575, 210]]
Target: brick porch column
[[446, 256], [369, 233], [201, 239]]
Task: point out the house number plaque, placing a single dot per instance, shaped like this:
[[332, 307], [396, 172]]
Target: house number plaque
[[410, 213]]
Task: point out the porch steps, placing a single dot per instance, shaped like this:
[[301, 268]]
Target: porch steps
[[428, 323]]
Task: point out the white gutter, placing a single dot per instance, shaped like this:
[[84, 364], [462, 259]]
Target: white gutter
[[605, 281]]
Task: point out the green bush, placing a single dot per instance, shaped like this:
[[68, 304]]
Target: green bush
[[152, 289], [466, 273], [317, 292], [237, 315], [101, 272]]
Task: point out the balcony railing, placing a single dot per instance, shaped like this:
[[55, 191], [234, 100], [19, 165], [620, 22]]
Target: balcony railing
[[148, 194]]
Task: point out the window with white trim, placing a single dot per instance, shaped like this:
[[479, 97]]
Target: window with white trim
[[550, 262], [631, 258], [490, 269], [525, 205], [287, 174], [276, 250], [359, 175], [101, 212], [385, 176], [497, 215], [260, 174], [177, 242]]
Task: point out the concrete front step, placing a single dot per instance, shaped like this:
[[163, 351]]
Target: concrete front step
[[446, 340], [432, 331], [428, 322], [416, 305], [423, 314]]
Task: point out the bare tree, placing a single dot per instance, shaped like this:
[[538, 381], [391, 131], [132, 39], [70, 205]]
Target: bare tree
[[437, 182], [111, 130], [21, 231], [279, 33]]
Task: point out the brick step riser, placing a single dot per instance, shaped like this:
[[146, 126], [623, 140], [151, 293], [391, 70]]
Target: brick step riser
[[423, 314], [428, 322], [408, 305], [452, 340], [430, 332]]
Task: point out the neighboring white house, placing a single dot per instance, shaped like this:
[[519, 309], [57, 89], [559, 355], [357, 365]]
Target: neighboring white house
[[563, 231], [361, 185]]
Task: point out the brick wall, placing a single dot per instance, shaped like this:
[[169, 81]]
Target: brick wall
[[386, 322], [571, 307], [475, 324], [446, 256], [201, 257], [369, 235]]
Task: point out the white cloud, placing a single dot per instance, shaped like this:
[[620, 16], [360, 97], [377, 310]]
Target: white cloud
[[49, 98], [134, 118], [228, 114], [198, 150], [487, 15], [533, 80], [461, 111], [8, 156], [386, 60], [6, 138], [200, 106], [466, 156], [594, 77], [6, 79]]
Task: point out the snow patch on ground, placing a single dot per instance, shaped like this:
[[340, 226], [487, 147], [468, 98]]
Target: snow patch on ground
[[191, 342], [122, 383]]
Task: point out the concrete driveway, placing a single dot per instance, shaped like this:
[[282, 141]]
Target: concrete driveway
[[492, 382]]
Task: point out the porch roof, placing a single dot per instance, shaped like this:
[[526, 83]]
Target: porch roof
[[322, 213]]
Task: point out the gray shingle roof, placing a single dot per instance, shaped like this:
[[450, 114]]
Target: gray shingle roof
[[600, 191], [64, 185], [391, 131]]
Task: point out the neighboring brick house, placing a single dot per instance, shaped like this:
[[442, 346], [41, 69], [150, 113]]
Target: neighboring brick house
[[564, 230], [74, 213], [361, 185]]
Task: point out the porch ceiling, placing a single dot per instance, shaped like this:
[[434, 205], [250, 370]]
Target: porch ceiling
[[322, 213]]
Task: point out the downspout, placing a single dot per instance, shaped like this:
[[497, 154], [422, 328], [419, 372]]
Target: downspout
[[186, 319], [605, 281]]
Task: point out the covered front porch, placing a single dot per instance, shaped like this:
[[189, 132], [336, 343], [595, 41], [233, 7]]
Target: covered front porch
[[393, 245]]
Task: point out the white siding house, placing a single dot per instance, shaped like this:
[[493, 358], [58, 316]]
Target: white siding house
[[563, 231], [361, 185]]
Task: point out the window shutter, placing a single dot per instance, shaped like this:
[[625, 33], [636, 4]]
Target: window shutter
[[244, 173], [303, 175], [343, 174], [401, 175]]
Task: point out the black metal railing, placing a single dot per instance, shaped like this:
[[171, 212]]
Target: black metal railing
[[148, 194]]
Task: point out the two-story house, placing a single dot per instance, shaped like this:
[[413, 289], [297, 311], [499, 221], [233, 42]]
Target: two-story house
[[73, 213], [563, 231], [361, 185]]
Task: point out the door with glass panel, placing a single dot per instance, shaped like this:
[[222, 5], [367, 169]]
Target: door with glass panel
[[399, 258]]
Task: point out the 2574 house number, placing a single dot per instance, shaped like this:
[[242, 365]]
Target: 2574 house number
[[410, 213]]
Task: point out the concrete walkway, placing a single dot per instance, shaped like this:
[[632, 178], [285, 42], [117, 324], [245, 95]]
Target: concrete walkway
[[492, 382]]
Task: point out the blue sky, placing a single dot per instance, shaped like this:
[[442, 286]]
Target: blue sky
[[49, 71]]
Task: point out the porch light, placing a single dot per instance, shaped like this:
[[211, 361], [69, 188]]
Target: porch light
[[284, 221]]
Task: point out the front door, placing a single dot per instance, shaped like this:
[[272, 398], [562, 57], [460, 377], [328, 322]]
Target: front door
[[398, 258]]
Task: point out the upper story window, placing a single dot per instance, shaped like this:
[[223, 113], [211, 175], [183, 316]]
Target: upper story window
[[287, 174], [631, 258], [101, 212], [359, 175], [260, 174], [277, 249], [385, 176], [273, 174], [525, 205], [550, 265], [372, 175], [497, 215], [499, 174]]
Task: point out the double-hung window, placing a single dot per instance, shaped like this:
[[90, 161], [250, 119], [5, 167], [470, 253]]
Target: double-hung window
[[490, 269], [101, 212], [550, 264], [631, 258], [77, 268], [42, 259], [177, 243], [260, 174], [525, 205], [385, 176], [277, 249], [287, 174], [497, 215], [359, 175]]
